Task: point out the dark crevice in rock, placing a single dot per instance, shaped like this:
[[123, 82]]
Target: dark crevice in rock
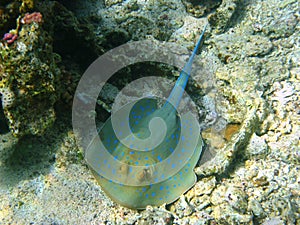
[[227, 15], [73, 38], [201, 9], [239, 12], [115, 38], [3, 121], [140, 70], [8, 14]]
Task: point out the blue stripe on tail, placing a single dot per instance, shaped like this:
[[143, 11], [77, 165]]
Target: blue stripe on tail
[[181, 82]]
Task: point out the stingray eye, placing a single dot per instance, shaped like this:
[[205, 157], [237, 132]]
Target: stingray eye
[[123, 170], [145, 175]]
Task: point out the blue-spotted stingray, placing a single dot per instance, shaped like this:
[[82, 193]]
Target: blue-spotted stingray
[[145, 154]]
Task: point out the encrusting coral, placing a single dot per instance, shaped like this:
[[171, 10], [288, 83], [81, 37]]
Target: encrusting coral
[[28, 77]]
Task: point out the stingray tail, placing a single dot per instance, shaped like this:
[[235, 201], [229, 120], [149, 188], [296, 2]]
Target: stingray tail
[[177, 92]]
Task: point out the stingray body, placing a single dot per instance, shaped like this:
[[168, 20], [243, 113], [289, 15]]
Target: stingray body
[[145, 155]]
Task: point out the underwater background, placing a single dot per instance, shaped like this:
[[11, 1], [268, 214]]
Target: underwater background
[[246, 92]]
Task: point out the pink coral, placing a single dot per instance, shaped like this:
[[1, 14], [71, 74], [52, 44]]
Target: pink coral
[[32, 17], [10, 38]]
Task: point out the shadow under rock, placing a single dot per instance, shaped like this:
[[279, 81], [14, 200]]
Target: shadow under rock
[[32, 156], [3, 121], [240, 13]]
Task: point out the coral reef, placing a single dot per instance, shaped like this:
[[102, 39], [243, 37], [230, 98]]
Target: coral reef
[[28, 82], [11, 10], [135, 20], [200, 8], [221, 19]]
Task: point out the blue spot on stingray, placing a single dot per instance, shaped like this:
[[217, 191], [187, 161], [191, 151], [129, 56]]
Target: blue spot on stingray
[[144, 189], [146, 158], [131, 153], [147, 196], [153, 194], [174, 185], [161, 188], [173, 165], [159, 158]]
